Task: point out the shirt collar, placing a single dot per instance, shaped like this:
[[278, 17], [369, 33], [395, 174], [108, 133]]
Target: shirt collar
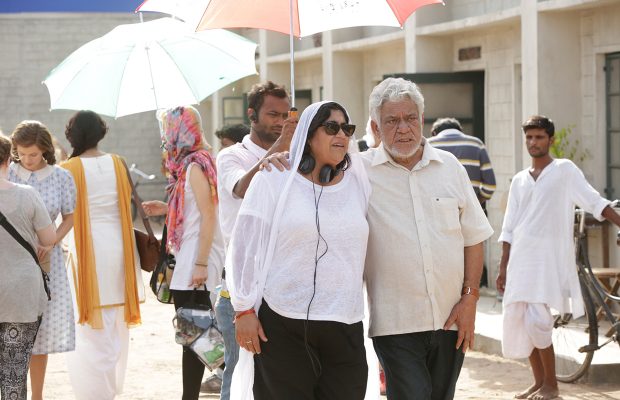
[[24, 174], [429, 153], [449, 132], [252, 147]]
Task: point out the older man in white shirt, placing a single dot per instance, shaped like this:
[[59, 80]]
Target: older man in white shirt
[[537, 269], [424, 257]]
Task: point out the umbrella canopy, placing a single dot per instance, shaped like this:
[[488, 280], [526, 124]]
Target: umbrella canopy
[[148, 66], [189, 11], [309, 16]]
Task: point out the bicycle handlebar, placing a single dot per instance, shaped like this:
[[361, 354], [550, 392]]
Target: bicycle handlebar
[[133, 168]]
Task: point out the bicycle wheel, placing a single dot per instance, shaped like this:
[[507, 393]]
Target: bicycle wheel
[[574, 341]]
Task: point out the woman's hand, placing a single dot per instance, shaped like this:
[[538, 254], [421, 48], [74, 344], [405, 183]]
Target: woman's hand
[[249, 332], [154, 208], [200, 275]]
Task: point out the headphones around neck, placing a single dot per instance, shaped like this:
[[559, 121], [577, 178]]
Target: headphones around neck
[[326, 173]]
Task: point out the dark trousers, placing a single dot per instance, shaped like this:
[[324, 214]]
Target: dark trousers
[[421, 365], [284, 369], [192, 368]]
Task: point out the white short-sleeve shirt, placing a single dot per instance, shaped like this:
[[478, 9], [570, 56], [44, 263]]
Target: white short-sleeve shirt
[[232, 164]]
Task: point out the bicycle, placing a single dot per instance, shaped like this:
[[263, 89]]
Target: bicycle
[[576, 339]]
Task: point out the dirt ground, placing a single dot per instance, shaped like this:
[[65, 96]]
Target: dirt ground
[[154, 370]]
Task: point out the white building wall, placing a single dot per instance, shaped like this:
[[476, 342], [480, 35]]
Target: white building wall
[[500, 49]]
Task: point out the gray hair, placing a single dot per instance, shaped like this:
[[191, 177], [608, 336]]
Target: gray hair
[[393, 89]]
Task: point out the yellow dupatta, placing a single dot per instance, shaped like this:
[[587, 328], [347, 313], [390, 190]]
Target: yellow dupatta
[[86, 285]]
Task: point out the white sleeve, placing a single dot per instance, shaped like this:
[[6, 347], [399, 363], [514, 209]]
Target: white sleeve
[[229, 171], [585, 196], [359, 171], [248, 246], [512, 210]]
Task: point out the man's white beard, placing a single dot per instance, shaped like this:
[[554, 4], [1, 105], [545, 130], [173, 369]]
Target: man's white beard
[[397, 154]]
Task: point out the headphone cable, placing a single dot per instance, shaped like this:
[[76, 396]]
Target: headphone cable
[[314, 359]]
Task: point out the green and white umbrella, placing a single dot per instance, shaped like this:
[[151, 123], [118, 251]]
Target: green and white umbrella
[[148, 66]]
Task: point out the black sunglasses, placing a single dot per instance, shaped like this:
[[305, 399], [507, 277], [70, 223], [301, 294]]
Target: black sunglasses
[[332, 128]]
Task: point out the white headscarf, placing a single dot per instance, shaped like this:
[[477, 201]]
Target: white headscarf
[[254, 238]]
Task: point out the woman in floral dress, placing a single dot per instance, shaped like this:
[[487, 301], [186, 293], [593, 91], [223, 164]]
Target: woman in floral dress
[[34, 165]]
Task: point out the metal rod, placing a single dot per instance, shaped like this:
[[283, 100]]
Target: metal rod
[[292, 51]]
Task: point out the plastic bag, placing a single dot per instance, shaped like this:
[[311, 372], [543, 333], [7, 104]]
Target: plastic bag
[[209, 347]]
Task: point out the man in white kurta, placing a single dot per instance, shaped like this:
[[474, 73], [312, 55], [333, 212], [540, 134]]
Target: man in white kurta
[[537, 270]]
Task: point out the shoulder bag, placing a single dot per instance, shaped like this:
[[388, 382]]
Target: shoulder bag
[[146, 242]]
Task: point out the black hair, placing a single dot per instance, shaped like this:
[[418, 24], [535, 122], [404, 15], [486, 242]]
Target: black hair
[[233, 132], [445, 123], [84, 131], [539, 122], [321, 116], [257, 94]]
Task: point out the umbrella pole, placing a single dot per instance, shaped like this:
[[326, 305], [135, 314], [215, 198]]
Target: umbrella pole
[[148, 57], [292, 51]]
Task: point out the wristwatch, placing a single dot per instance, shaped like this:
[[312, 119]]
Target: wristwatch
[[470, 290]]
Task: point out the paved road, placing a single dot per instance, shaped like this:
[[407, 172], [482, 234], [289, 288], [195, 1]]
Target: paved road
[[154, 370]]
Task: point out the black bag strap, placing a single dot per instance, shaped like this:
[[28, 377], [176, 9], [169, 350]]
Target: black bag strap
[[13, 232], [164, 243]]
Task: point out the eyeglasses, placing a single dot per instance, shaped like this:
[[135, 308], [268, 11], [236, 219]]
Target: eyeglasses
[[332, 128]]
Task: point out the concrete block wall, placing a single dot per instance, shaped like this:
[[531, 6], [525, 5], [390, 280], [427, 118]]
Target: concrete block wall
[[600, 30], [500, 51], [31, 46], [588, 79]]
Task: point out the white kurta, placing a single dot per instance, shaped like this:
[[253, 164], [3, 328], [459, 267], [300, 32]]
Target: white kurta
[[98, 364], [105, 227], [539, 226]]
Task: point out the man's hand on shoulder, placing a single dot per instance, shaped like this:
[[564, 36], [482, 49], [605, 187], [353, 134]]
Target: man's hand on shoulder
[[278, 160]]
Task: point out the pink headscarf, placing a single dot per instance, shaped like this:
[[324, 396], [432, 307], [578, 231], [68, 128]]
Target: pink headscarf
[[183, 143]]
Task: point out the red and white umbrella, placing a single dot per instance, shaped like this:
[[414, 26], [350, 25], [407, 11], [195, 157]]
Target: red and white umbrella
[[307, 17], [297, 18]]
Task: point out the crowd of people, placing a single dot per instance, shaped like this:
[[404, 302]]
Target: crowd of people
[[286, 232]]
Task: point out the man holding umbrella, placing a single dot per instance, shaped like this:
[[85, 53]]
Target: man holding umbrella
[[270, 132]]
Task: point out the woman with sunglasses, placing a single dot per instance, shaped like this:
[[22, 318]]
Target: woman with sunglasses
[[296, 259]]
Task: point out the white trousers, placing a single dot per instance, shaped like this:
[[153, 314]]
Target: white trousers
[[97, 366], [526, 326]]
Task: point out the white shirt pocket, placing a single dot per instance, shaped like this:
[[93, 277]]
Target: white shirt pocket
[[446, 210]]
